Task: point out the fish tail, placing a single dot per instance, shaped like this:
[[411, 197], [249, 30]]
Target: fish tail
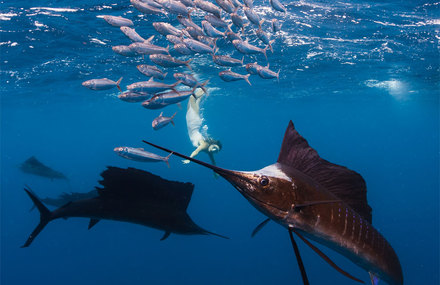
[[187, 63], [265, 51], [260, 23], [270, 45], [203, 86], [168, 49], [242, 60], [278, 75], [45, 217], [118, 83], [165, 74], [246, 77], [167, 158], [149, 39]]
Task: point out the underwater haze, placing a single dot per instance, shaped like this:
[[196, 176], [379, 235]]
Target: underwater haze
[[359, 79]]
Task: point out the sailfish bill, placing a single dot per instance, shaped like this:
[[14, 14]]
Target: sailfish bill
[[316, 200]]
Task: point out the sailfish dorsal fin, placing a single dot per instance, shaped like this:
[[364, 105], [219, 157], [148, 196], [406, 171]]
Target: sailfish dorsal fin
[[346, 184]]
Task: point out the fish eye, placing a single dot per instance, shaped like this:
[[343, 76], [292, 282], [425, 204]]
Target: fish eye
[[264, 181]]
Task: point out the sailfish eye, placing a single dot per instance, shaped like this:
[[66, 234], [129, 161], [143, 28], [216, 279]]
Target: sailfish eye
[[264, 181]]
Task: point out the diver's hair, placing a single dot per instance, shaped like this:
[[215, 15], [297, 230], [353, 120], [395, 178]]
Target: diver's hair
[[213, 141]]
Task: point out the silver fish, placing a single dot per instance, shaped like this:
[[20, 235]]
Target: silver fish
[[167, 98], [145, 8], [238, 21], [147, 48], [134, 97], [193, 32], [188, 3], [166, 29], [276, 4], [174, 39], [175, 7], [229, 76], [252, 68], [152, 3], [187, 22], [226, 5], [198, 47], [208, 7], [102, 84], [216, 21], [252, 16], [207, 40], [265, 73], [276, 26], [182, 49], [264, 37], [230, 35], [139, 154], [211, 31], [117, 21], [169, 61], [131, 34], [161, 121], [249, 3], [124, 50], [151, 71], [190, 81], [246, 48], [237, 3], [225, 60], [151, 86]]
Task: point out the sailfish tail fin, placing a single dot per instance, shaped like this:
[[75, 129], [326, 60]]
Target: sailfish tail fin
[[45, 217]]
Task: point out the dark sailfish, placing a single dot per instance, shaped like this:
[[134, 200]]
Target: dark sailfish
[[130, 195], [316, 200], [35, 167]]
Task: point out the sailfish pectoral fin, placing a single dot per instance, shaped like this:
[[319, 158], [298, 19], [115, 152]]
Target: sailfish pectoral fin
[[325, 257], [165, 236], [298, 258], [259, 227], [93, 222]]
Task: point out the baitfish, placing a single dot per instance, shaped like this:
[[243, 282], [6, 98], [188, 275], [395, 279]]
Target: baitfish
[[124, 50], [194, 32], [226, 5], [117, 21], [151, 71], [231, 36], [102, 84], [252, 68], [169, 61], [208, 7], [134, 97], [175, 7], [190, 81], [228, 76], [225, 60], [132, 35], [317, 200], [265, 73], [188, 3], [139, 154], [276, 26], [246, 48], [147, 48], [198, 47], [276, 4], [166, 29], [129, 195], [145, 8], [216, 21], [161, 121], [248, 3], [211, 31], [151, 86], [182, 49], [35, 167], [252, 16], [238, 21], [174, 39], [164, 99], [264, 37], [187, 22]]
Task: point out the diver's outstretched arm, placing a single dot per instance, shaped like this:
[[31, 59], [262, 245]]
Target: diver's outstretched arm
[[196, 151]]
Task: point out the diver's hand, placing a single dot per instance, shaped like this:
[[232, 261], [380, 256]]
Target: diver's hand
[[185, 161]]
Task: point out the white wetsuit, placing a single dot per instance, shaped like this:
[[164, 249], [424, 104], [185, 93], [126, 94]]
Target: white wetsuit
[[194, 124]]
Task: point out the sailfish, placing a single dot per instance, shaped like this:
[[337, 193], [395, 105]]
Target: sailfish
[[319, 201]]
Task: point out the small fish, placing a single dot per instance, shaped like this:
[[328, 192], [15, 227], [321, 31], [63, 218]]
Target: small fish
[[169, 61], [207, 40], [117, 21], [246, 48], [132, 35], [231, 36], [182, 49], [190, 81], [175, 7], [151, 71], [139, 154], [35, 167], [276, 26], [252, 16], [276, 4], [124, 50], [194, 33], [198, 47], [134, 97], [249, 3], [174, 39], [211, 31], [216, 21], [237, 3], [208, 7], [265, 73], [229, 76], [166, 29], [152, 3], [238, 21], [225, 60], [145, 8], [167, 98], [147, 48], [188, 3], [264, 37], [162, 121], [102, 84], [226, 5], [151, 86], [252, 68], [187, 22]]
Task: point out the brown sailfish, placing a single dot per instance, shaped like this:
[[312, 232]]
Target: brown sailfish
[[319, 201], [130, 195]]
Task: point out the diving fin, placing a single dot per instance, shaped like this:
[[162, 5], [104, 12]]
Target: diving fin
[[93, 222], [298, 258], [259, 227], [165, 236]]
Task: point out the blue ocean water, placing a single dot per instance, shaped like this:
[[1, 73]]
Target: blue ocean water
[[359, 79]]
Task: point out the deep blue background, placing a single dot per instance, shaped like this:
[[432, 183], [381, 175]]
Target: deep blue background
[[360, 80]]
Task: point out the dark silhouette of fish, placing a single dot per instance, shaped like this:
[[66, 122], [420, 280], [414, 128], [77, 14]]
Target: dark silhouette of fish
[[130, 195], [317, 200], [35, 167], [65, 198]]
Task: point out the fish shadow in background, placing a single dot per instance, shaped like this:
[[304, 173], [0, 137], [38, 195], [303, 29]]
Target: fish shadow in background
[[35, 167], [130, 195]]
